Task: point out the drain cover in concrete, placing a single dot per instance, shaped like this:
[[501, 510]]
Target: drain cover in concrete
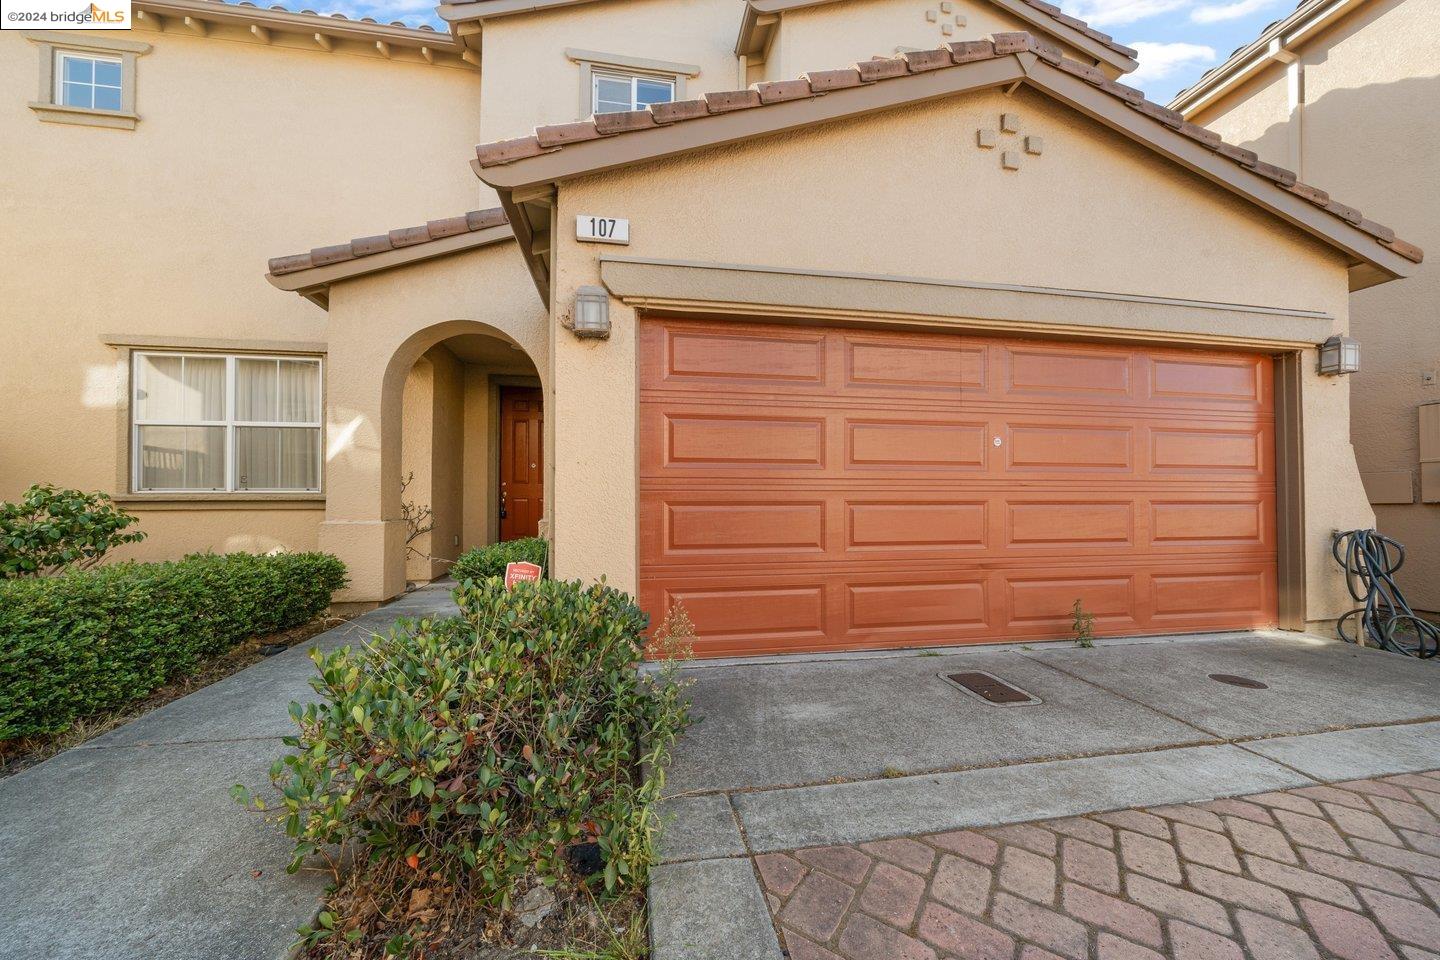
[[1235, 681], [989, 688]]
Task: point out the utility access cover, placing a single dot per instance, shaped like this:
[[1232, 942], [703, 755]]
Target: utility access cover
[[990, 688]]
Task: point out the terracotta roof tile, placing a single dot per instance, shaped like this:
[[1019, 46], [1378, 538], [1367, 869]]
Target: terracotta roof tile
[[880, 69], [730, 100], [678, 110], [622, 121], [964, 51], [504, 151], [918, 61], [471, 222], [777, 91], [822, 81]]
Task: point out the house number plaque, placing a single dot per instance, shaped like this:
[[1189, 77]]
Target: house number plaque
[[589, 229]]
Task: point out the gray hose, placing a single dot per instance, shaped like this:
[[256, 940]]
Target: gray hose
[[1383, 618]]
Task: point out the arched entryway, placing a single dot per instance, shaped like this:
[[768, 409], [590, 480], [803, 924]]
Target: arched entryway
[[419, 360], [471, 468]]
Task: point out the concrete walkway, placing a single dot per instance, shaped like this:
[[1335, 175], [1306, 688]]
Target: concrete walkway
[[827, 751], [130, 848]]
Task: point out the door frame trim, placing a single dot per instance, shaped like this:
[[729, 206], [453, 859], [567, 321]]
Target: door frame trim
[[1289, 491]]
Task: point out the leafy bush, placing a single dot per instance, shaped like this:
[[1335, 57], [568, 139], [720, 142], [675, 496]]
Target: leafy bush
[[48, 530], [483, 562], [461, 756], [88, 641]]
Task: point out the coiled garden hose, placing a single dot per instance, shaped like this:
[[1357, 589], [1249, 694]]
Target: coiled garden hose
[[1383, 618]]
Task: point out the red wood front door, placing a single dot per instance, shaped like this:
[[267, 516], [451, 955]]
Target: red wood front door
[[522, 467]]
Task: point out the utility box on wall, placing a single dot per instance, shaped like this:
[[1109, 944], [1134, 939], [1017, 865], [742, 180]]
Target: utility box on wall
[[1430, 452]]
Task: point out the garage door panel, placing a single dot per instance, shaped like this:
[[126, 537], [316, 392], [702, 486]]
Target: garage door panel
[[917, 365], [1072, 523], [918, 525], [908, 444], [1237, 593], [742, 441], [1060, 373], [1226, 524], [910, 605], [741, 359], [1049, 602], [1240, 450], [1239, 381], [824, 489]]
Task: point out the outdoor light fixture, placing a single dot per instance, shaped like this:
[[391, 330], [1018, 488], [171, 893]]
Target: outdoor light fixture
[[1339, 355], [591, 319]]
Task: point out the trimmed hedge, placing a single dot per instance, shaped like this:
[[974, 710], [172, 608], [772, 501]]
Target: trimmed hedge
[[484, 562], [90, 641]]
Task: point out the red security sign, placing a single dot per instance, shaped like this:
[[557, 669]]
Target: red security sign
[[521, 572]]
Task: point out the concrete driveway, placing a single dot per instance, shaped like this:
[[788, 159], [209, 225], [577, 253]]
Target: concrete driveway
[[803, 753]]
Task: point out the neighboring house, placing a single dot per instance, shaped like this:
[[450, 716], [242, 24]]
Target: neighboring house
[[1348, 95], [911, 350]]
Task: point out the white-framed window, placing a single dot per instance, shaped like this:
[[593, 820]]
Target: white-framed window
[[613, 92], [225, 423], [89, 81]]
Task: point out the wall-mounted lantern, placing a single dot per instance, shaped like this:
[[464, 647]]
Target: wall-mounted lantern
[[1339, 355], [591, 319]]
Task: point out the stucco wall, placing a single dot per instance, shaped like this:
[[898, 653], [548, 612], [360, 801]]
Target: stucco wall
[[1072, 218], [530, 82], [243, 152], [836, 35], [434, 456], [1369, 133]]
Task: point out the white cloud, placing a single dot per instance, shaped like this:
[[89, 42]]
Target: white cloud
[[1220, 12], [1100, 13], [1160, 60]]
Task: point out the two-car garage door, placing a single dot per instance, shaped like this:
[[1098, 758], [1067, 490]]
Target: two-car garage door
[[807, 488]]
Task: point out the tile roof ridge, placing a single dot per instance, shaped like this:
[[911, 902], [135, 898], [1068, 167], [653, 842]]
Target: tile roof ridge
[[470, 222]]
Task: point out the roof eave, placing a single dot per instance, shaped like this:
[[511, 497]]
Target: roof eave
[[1272, 46], [314, 284], [293, 22], [490, 9]]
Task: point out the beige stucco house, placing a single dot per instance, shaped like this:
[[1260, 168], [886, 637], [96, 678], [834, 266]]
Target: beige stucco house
[[1346, 94], [846, 323]]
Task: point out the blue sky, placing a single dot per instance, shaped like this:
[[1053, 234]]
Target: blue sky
[[1178, 39]]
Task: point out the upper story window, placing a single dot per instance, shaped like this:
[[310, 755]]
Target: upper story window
[[86, 79], [613, 82], [206, 423], [82, 80], [614, 92]]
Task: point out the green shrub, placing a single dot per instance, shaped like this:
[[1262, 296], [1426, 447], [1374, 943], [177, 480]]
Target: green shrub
[[483, 562], [88, 641], [48, 530], [466, 754]]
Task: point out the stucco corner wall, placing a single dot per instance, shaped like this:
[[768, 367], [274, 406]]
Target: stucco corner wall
[[782, 202]]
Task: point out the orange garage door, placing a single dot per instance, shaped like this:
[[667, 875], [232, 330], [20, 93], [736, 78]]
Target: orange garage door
[[806, 488]]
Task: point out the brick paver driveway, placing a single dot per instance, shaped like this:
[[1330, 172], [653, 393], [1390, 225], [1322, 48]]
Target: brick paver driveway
[[1350, 871]]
